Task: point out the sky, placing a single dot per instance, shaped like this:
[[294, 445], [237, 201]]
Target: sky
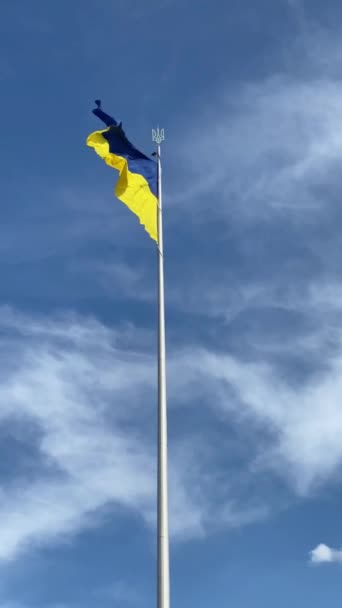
[[250, 96]]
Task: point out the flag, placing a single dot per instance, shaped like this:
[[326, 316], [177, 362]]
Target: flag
[[137, 185]]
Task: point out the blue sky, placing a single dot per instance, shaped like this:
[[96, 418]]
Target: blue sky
[[250, 95]]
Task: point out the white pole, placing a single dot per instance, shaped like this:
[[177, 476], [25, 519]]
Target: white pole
[[163, 573]]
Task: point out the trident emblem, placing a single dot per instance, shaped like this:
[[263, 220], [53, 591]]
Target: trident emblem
[[158, 135]]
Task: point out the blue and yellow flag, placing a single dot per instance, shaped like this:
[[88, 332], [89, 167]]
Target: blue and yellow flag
[[137, 185]]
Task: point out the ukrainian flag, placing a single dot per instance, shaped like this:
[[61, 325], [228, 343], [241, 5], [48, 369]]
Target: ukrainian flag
[[138, 174]]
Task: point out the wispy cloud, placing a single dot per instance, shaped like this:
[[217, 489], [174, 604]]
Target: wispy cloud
[[268, 149], [267, 146], [304, 423], [83, 399], [91, 431]]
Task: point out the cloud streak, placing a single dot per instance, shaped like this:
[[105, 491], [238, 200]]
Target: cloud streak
[[83, 400], [268, 147], [81, 397]]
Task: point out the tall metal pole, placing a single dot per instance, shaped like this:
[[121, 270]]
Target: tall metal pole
[[163, 571]]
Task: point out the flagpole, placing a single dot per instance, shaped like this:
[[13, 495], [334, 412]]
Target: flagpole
[[163, 572]]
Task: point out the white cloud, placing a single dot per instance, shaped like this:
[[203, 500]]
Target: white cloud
[[266, 150], [294, 417], [262, 161], [324, 554], [53, 382], [303, 423], [79, 396], [263, 147], [71, 390]]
